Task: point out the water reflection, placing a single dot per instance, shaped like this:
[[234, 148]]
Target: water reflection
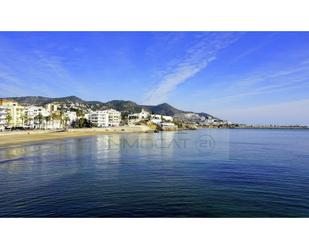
[[194, 173], [106, 151]]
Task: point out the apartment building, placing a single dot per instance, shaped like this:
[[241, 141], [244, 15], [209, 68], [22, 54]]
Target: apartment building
[[31, 113], [114, 117], [52, 107], [105, 118], [15, 113], [3, 111]]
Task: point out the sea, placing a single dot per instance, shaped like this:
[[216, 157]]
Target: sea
[[200, 173]]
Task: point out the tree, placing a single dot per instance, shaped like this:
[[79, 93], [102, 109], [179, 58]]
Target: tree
[[47, 119], [66, 121], [39, 118], [79, 113], [82, 123], [24, 119], [62, 118], [55, 116], [8, 118]]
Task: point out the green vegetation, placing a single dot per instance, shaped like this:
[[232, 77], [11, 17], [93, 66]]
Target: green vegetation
[[8, 118], [82, 123], [124, 106], [39, 118]]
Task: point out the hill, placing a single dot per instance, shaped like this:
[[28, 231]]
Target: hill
[[124, 106]]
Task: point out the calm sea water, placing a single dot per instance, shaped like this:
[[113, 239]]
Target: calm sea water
[[203, 173]]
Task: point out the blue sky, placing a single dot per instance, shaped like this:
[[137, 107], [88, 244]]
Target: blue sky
[[252, 77]]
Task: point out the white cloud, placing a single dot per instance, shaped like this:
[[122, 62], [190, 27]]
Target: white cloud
[[27, 72], [196, 59], [256, 97], [266, 80]]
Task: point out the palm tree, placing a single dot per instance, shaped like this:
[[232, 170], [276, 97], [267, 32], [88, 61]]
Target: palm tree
[[31, 121], [47, 119], [24, 119], [61, 117], [8, 118], [57, 116], [39, 118], [66, 120]]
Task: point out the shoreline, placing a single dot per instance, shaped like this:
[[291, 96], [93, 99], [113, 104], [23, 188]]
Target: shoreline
[[33, 136], [24, 137]]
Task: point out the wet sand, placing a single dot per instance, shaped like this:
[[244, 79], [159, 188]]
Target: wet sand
[[11, 138]]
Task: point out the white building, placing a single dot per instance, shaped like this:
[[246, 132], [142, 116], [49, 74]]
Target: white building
[[166, 125], [106, 118], [211, 120], [3, 111], [114, 117], [98, 118], [71, 116], [52, 107], [158, 119], [87, 116], [14, 111], [53, 124], [32, 112], [136, 117], [167, 118], [161, 117]]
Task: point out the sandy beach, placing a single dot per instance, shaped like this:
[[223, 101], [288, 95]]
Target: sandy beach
[[19, 137]]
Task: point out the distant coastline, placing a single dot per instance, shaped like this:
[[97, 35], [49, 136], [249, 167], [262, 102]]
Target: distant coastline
[[33, 136], [272, 127]]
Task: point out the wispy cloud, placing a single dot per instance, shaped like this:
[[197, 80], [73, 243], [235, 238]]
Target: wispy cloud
[[197, 58], [267, 95], [267, 80], [246, 53], [33, 71], [11, 84]]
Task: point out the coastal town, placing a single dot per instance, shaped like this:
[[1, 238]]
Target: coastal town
[[72, 115], [57, 116]]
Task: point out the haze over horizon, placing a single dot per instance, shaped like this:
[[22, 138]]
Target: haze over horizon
[[254, 77]]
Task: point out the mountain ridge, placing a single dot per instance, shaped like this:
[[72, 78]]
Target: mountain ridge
[[125, 106]]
